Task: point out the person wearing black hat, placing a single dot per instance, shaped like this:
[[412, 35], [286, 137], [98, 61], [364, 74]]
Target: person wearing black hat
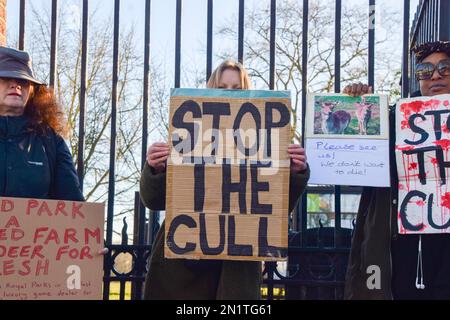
[[35, 161], [384, 264]]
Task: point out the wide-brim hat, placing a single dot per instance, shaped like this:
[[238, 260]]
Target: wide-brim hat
[[423, 50], [16, 64]]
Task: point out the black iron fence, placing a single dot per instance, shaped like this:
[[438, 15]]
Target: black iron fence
[[431, 23], [317, 256]]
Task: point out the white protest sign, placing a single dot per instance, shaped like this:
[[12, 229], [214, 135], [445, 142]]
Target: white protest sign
[[349, 162], [422, 156], [347, 140]]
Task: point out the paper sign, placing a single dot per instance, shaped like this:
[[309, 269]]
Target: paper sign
[[422, 155], [349, 162], [228, 175], [49, 249], [347, 140]]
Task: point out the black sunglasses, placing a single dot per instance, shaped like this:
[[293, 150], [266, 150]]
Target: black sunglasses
[[425, 70]]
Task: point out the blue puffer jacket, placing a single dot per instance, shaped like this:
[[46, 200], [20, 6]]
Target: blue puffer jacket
[[34, 165]]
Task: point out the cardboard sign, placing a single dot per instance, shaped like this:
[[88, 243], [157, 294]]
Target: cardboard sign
[[422, 155], [347, 140], [49, 249], [228, 175]]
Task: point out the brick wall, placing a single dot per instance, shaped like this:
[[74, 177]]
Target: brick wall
[[2, 22]]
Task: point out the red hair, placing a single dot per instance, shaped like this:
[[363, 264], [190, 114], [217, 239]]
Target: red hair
[[44, 111]]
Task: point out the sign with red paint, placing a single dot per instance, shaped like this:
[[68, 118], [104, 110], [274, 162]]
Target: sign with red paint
[[49, 249], [422, 155]]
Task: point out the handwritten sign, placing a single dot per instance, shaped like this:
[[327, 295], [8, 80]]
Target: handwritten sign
[[349, 162], [422, 155], [228, 175], [49, 249], [347, 140]]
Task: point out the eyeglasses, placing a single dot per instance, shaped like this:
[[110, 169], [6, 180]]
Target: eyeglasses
[[425, 70], [20, 82]]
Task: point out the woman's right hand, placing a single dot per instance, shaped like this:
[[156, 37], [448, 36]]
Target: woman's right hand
[[357, 89], [157, 155]]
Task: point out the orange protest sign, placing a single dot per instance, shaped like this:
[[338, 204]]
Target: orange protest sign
[[49, 249]]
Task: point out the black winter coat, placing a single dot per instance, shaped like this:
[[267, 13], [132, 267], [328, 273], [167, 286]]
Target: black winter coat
[[35, 165]]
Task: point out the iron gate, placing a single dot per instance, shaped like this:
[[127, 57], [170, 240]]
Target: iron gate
[[317, 256]]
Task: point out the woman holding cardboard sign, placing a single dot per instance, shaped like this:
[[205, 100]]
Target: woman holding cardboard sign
[[384, 264], [35, 162], [206, 279]]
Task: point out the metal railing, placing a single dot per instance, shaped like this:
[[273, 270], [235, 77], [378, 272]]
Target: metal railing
[[318, 256], [431, 23]]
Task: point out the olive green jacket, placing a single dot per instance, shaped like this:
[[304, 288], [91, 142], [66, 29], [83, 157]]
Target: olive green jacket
[[204, 279]]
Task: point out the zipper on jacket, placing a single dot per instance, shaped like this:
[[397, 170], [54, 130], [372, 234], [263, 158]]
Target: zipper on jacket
[[6, 157]]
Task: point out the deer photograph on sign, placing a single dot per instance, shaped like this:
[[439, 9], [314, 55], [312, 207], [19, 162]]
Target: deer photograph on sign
[[422, 155], [342, 115], [228, 175], [49, 249]]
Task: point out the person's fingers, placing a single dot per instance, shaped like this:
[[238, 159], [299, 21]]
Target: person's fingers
[[298, 162], [163, 159], [155, 158], [298, 150], [160, 144], [103, 251], [159, 149], [347, 89], [158, 163], [365, 88], [359, 89], [354, 89], [298, 165], [298, 157], [156, 155]]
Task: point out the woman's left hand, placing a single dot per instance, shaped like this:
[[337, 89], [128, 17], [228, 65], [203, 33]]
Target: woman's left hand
[[298, 158]]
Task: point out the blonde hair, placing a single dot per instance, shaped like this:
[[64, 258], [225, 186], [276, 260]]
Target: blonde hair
[[214, 79]]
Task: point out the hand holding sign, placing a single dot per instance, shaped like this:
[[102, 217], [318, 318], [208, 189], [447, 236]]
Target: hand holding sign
[[157, 155], [298, 158], [357, 89]]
